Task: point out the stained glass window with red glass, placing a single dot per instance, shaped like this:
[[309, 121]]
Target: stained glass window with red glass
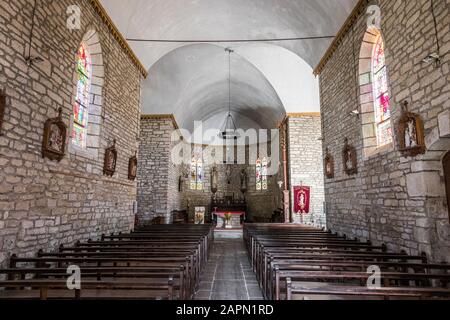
[[81, 105], [382, 101]]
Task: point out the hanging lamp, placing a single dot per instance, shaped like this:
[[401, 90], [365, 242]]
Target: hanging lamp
[[229, 130]]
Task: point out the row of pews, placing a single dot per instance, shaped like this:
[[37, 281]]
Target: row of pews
[[157, 262], [303, 263]]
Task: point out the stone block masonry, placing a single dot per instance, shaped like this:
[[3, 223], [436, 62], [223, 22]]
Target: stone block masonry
[[157, 177], [42, 203], [306, 165], [393, 200]]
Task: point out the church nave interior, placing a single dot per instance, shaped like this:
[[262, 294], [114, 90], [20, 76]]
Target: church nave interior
[[224, 150]]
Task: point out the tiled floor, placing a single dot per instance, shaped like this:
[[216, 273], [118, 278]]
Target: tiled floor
[[228, 275]]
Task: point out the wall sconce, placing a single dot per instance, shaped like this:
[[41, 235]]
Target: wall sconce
[[30, 61], [432, 58], [355, 113]]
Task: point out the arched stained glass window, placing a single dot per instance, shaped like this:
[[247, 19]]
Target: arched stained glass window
[[197, 173], [81, 105], [261, 174], [381, 94]]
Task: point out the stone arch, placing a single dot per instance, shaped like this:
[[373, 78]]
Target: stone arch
[[366, 95], [92, 40]]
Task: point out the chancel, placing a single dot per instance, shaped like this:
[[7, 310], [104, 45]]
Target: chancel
[[225, 150]]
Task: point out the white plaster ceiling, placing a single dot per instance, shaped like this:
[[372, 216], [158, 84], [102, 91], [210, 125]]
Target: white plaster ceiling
[[194, 80], [268, 79]]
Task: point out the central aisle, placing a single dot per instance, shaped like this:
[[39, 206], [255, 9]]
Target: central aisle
[[228, 274]]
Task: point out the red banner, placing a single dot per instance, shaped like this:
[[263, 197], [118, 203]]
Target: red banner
[[302, 198]]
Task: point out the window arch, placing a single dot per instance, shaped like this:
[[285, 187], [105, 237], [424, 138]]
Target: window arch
[[82, 97], [382, 103], [87, 115], [197, 171], [374, 93], [261, 174]]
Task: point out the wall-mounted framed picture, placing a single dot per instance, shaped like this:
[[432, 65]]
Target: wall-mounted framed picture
[[199, 217], [54, 139], [2, 110], [410, 133], [350, 159], [109, 167], [329, 165], [132, 167]]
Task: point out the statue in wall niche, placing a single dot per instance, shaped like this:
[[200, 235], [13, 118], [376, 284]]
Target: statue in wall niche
[[214, 181], [109, 167], [244, 182], [180, 183], [228, 172], [410, 132], [54, 140], [349, 159]]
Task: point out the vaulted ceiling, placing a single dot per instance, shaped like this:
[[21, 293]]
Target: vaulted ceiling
[[268, 78]]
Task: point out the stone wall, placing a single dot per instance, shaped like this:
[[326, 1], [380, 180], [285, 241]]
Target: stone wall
[[43, 203], [306, 165], [159, 176], [394, 200], [259, 203], [174, 195], [156, 174]]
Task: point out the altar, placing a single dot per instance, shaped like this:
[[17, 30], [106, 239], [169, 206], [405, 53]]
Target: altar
[[237, 208], [237, 217]]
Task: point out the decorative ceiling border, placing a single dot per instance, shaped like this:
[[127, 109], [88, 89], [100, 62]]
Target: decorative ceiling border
[[161, 116], [298, 115], [360, 6], [304, 115], [119, 37]]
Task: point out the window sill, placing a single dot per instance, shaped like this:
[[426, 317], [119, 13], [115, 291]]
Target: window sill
[[379, 151], [78, 151]]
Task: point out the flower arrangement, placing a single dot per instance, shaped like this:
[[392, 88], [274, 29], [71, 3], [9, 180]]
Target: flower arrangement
[[227, 218]]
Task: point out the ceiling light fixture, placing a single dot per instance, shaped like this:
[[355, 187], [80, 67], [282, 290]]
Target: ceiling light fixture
[[229, 130], [355, 113]]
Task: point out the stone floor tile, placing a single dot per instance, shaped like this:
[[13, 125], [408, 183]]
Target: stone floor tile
[[228, 274]]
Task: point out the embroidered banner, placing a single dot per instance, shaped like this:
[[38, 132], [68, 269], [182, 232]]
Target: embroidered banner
[[302, 197]]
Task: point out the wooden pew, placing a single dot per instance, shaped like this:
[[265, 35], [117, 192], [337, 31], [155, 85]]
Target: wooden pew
[[57, 289], [303, 254], [110, 266], [385, 293]]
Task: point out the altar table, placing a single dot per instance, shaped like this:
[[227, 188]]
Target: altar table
[[235, 218]]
